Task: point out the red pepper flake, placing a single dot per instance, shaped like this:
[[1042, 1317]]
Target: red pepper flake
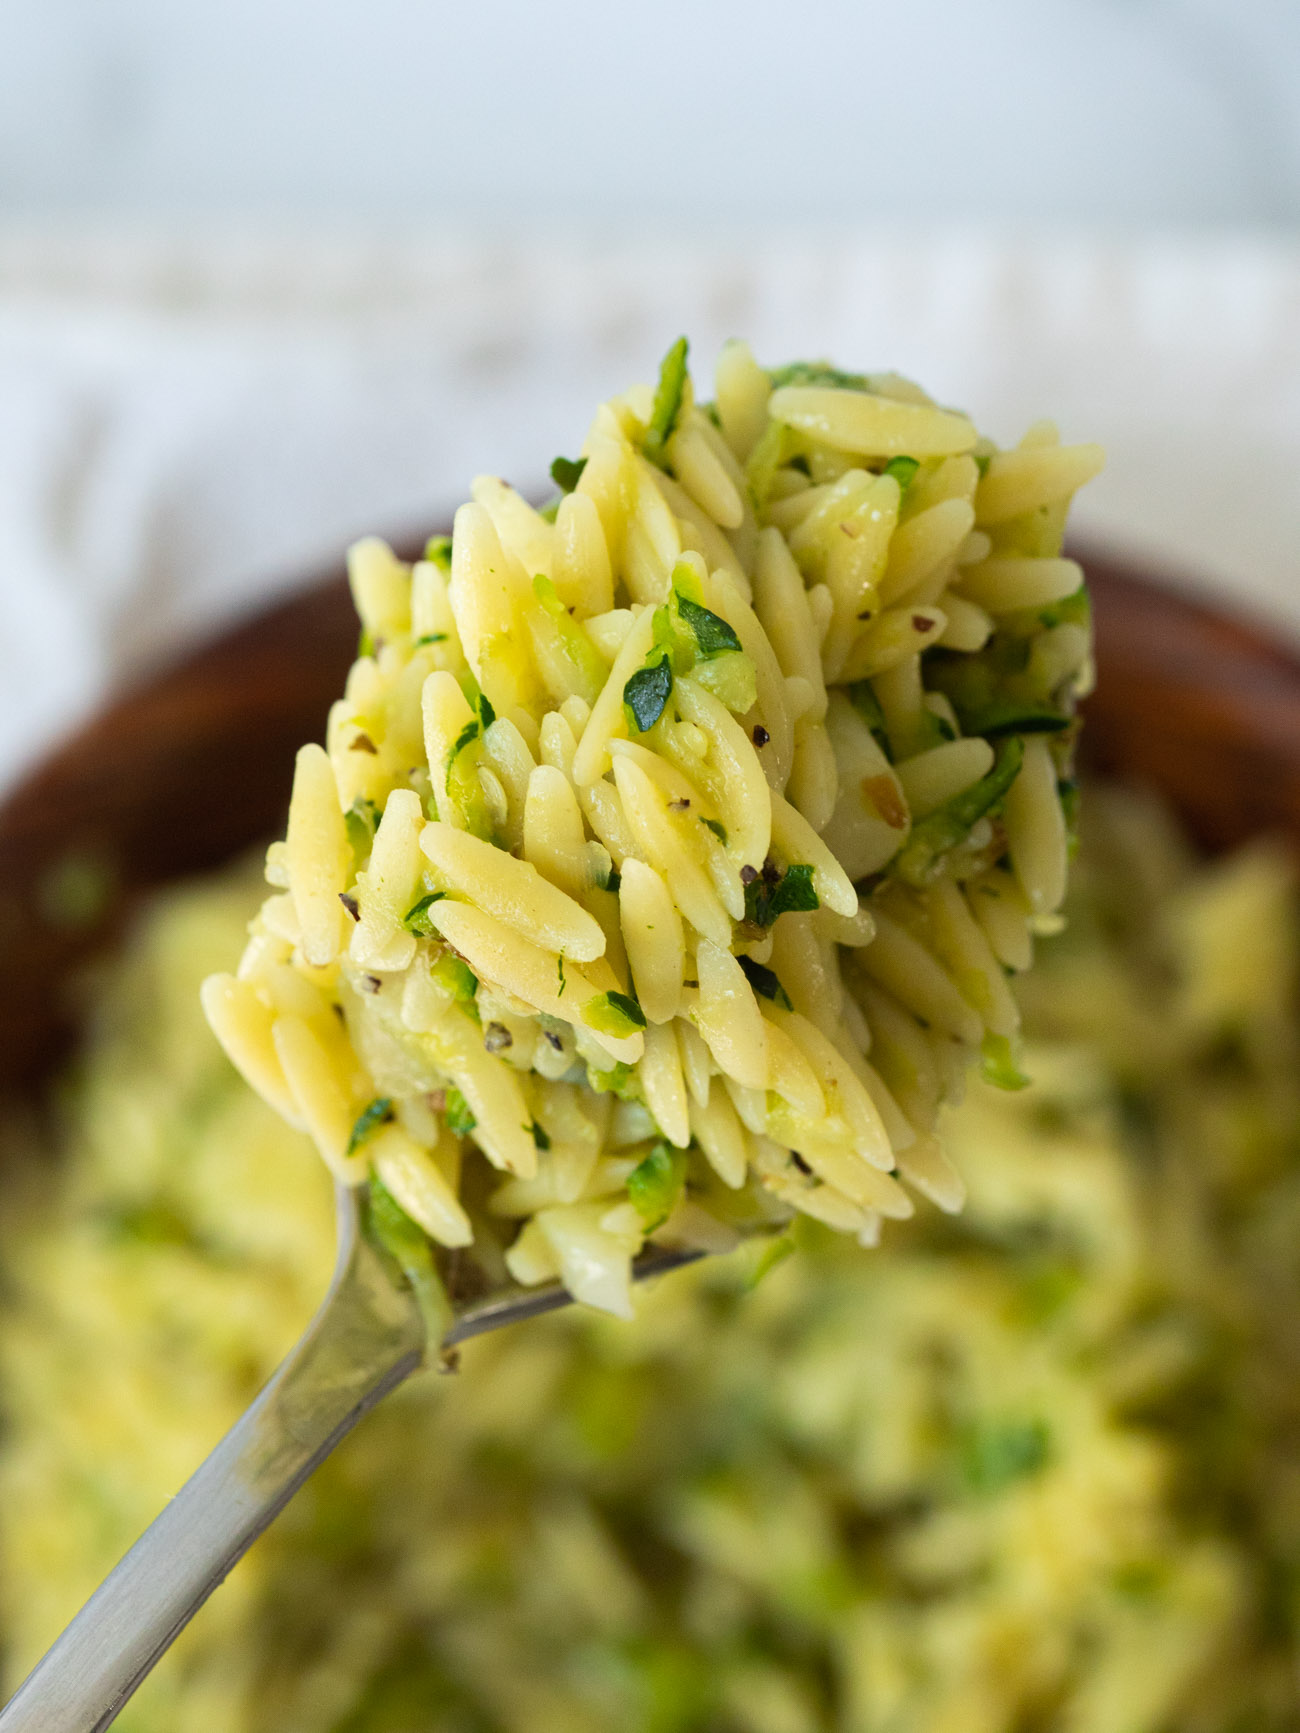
[[748, 874], [679, 805], [921, 622], [363, 743]]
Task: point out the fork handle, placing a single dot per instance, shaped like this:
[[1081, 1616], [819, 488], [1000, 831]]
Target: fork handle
[[365, 1339]]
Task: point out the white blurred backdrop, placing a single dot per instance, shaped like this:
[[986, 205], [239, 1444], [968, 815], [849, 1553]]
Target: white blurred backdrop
[[703, 113], [274, 273]]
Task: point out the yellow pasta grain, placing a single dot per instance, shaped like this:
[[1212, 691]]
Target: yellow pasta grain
[[415, 1180], [317, 856], [513, 891], [871, 426], [652, 935]]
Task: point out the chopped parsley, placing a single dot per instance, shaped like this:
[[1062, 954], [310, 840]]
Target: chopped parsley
[[647, 692], [713, 636], [566, 472], [416, 919], [613, 1014], [467, 735], [773, 893], [765, 983]]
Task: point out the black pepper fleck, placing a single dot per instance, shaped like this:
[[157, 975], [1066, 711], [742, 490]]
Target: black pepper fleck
[[496, 1038], [350, 904], [760, 735]]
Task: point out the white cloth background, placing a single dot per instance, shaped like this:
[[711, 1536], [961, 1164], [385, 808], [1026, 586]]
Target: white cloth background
[[185, 427]]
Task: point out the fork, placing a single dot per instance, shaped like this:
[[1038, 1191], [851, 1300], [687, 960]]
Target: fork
[[367, 1337]]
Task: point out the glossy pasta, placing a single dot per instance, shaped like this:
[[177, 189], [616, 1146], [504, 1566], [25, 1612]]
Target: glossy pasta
[[668, 852]]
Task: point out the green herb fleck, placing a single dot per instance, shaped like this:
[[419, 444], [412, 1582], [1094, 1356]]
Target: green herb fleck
[[566, 472], [486, 714], [790, 892], [467, 734], [559, 969], [667, 402], [379, 1112], [416, 919], [717, 827], [902, 469], [764, 982], [456, 1112], [1000, 1063], [920, 861], [647, 692], [656, 1183], [540, 1138], [614, 880], [430, 638], [613, 1014], [712, 633], [437, 550]]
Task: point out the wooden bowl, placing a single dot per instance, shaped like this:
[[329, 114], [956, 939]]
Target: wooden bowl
[[195, 764]]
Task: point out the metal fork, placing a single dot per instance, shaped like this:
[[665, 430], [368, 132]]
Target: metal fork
[[366, 1338]]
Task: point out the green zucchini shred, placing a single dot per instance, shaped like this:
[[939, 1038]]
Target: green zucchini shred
[[920, 861], [667, 402], [655, 1185]]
